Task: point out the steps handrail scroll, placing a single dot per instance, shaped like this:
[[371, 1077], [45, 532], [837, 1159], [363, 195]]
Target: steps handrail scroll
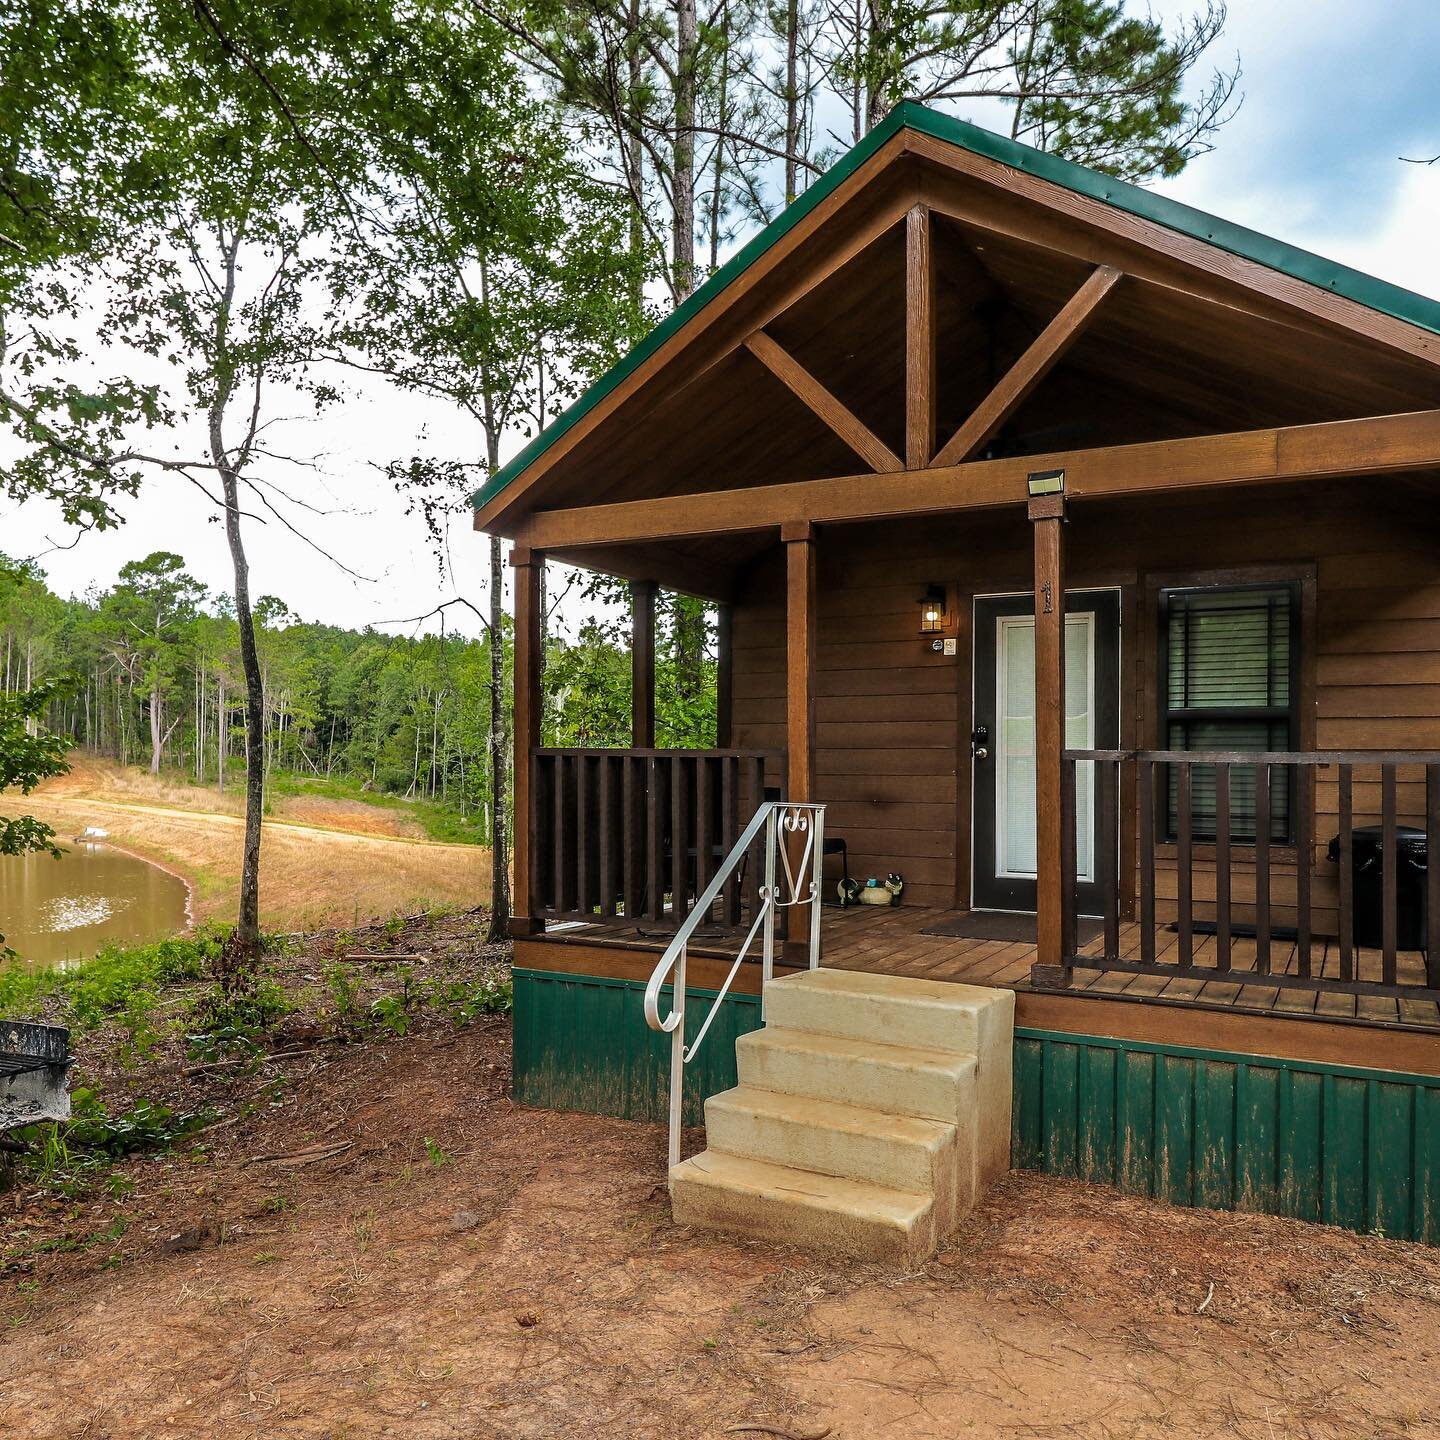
[[802, 883]]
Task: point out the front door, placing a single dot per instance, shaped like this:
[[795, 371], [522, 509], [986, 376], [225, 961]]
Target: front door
[[1004, 739]]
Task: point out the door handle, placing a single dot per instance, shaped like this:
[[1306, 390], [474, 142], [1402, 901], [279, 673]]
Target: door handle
[[979, 742], [981, 753]]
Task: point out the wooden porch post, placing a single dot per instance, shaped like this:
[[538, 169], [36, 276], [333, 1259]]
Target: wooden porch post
[[799, 540], [724, 678], [1047, 516], [642, 664], [529, 566]]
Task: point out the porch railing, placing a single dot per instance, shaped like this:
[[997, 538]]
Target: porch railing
[[1226, 848], [640, 833]]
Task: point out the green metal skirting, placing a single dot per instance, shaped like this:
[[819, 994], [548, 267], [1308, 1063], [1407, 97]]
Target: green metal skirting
[[1352, 1147], [581, 1043]]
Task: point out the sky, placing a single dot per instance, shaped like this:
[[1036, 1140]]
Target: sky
[[1335, 94]]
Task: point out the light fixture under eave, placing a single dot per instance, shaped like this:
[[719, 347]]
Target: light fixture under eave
[[1045, 482], [932, 610]]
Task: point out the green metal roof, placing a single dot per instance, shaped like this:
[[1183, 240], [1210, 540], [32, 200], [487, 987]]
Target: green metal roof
[[1315, 270]]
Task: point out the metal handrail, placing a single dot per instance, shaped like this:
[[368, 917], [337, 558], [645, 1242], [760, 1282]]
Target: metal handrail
[[776, 817]]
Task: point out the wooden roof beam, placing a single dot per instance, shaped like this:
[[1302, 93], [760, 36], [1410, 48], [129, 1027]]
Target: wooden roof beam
[[1019, 382], [1387, 443], [843, 421], [920, 381]]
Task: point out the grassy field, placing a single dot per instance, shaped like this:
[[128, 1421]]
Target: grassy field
[[327, 859]]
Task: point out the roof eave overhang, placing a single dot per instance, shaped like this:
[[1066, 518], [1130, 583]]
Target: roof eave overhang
[[496, 501]]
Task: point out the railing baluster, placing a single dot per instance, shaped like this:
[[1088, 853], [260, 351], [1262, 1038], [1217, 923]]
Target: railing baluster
[[755, 863], [607, 835], [1222, 867], [680, 780], [729, 829], [1184, 879], [1147, 861], [1262, 869], [1347, 872], [1068, 902], [1302, 790], [542, 864], [1432, 874], [654, 839], [561, 847], [584, 834], [704, 826], [633, 776], [1389, 859], [1109, 843]]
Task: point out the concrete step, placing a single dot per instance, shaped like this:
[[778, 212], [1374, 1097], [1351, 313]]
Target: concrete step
[[796, 1207], [898, 1010], [890, 1009], [900, 1152], [896, 1079]]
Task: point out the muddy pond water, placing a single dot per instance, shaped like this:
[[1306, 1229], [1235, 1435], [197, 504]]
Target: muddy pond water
[[52, 910]]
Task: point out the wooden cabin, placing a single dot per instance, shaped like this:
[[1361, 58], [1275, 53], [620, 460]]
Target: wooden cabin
[[1080, 553]]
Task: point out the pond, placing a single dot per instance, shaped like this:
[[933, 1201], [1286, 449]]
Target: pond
[[57, 910]]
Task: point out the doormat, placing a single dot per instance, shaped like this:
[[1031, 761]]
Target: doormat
[[1004, 925]]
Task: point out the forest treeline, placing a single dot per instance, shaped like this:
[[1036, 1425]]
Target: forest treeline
[[148, 672]]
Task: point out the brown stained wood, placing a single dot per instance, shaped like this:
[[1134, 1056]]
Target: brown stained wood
[[724, 675], [636, 832], [1346, 876], [1371, 446], [800, 633], [642, 664], [920, 340], [1039, 211], [1389, 862], [1146, 847], [1303, 789], [609, 818], [1019, 382], [1222, 867], [806, 388], [682, 780], [584, 834], [527, 712], [1262, 869], [1107, 777], [754, 298], [654, 846], [1051, 848], [1184, 865]]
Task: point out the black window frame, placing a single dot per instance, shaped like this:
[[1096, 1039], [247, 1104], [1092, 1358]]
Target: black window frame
[[1166, 716]]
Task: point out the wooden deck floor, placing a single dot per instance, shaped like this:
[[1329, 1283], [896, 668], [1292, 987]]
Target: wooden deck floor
[[892, 941]]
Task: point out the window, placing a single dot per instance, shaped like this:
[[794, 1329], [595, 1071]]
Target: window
[[1228, 681]]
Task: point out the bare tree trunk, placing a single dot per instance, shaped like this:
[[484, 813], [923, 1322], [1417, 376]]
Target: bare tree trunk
[[792, 100], [157, 723], [683, 164], [247, 927]]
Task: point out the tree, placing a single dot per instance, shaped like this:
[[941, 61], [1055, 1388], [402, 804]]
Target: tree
[[148, 615], [502, 284]]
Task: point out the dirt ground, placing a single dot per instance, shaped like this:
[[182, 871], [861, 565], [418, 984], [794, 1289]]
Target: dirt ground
[[386, 1245], [324, 861]]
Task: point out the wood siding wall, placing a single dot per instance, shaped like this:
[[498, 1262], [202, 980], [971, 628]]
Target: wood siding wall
[[893, 717]]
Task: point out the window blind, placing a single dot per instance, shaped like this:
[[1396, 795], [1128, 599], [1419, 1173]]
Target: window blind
[[1228, 667]]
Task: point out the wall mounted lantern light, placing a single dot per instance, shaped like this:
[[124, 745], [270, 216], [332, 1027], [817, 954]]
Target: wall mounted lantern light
[[932, 610]]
